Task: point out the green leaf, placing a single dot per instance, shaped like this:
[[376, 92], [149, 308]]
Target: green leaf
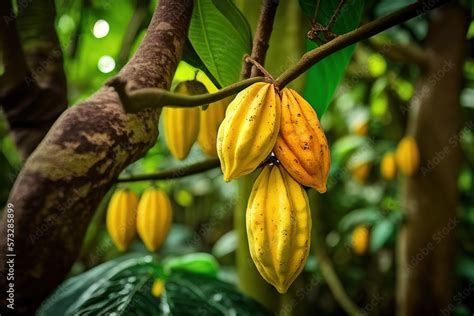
[[191, 57], [344, 146], [324, 77], [202, 263], [381, 233], [236, 18], [365, 216], [196, 294], [218, 42], [225, 245], [71, 289], [123, 290]]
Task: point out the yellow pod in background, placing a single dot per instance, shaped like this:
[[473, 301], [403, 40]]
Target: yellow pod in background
[[210, 120], [388, 166], [248, 133], [360, 172], [278, 227], [301, 145], [408, 156], [121, 218], [181, 125], [154, 218], [360, 239]]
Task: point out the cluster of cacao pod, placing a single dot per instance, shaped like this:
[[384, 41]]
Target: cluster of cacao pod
[[406, 158], [183, 126], [360, 239], [150, 217], [259, 121]]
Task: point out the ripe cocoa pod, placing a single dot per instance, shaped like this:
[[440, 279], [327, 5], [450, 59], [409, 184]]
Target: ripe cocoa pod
[[278, 227], [249, 130], [301, 145], [388, 167], [408, 156], [158, 288], [360, 239], [361, 128], [181, 125], [121, 218], [154, 218], [360, 172], [210, 120]]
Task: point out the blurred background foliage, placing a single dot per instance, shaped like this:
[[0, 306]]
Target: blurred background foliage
[[365, 119]]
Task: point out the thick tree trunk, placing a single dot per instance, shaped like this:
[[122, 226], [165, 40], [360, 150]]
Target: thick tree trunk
[[33, 89], [65, 178], [426, 242]]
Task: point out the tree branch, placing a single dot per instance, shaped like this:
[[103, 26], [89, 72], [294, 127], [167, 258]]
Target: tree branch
[[63, 181], [35, 93], [135, 101], [138, 18], [363, 32], [175, 173], [262, 37]]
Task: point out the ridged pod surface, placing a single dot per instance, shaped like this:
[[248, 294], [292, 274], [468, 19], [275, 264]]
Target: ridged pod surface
[[154, 218], [408, 156], [278, 227], [249, 130], [301, 145], [181, 125], [210, 120], [122, 217], [388, 167], [360, 239]]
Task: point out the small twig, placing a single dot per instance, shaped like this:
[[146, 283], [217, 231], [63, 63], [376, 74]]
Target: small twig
[[347, 39], [135, 101], [175, 173], [267, 75], [262, 37], [328, 271], [335, 15]]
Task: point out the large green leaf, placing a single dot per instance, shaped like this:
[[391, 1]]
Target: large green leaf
[[324, 77], [196, 294], [70, 291], [124, 290], [220, 42]]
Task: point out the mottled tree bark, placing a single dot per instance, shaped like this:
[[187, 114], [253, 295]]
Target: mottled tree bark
[[65, 178], [426, 242], [33, 89]]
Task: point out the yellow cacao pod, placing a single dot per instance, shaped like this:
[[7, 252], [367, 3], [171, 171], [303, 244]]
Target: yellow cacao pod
[[388, 167], [360, 239], [158, 288], [408, 156], [181, 125], [210, 120], [278, 227], [360, 172], [122, 217], [154, 218], [361, 128], [249, 130], [301, 145]]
